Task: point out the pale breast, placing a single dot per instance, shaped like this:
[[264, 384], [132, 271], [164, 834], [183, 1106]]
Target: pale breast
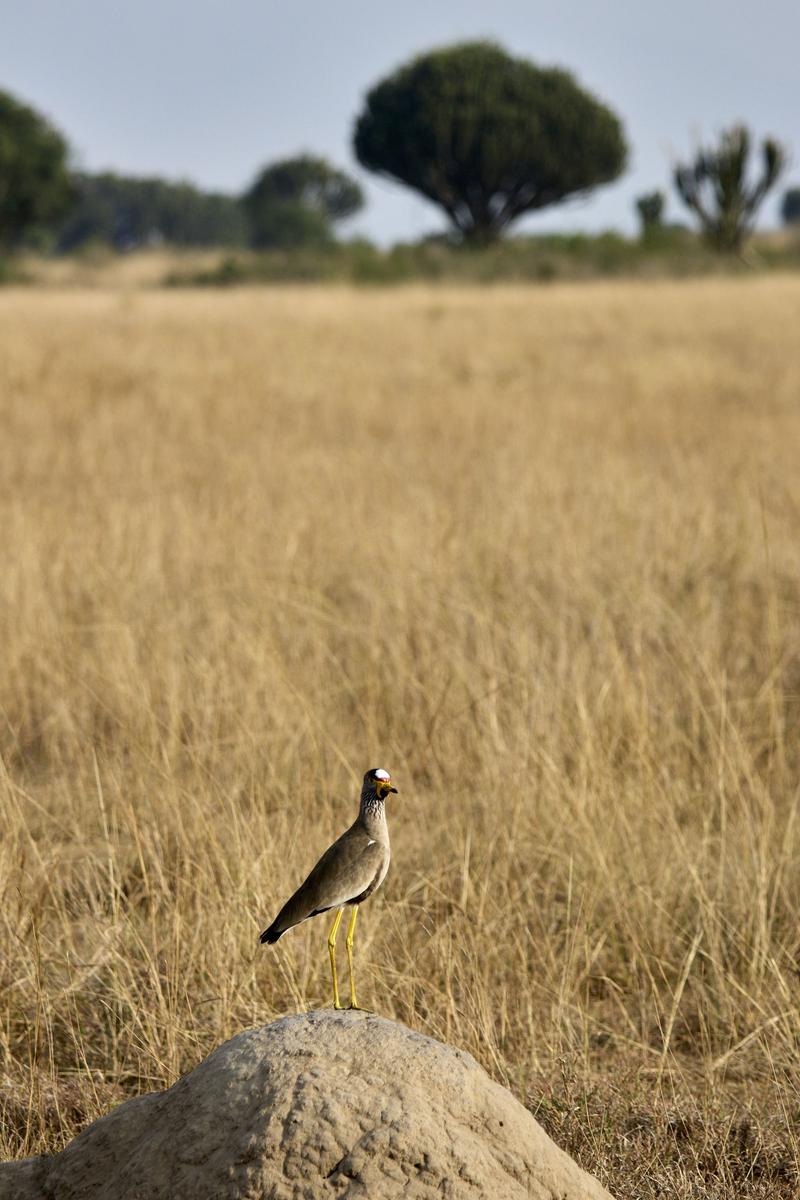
[[373, 886]]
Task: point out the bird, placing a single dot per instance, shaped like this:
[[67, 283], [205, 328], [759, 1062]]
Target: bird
[[348, 873]]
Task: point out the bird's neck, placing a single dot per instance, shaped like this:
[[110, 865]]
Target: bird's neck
[[373, 814]]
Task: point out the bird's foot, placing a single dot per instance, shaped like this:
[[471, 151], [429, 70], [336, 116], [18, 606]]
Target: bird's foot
[[358, 1008]]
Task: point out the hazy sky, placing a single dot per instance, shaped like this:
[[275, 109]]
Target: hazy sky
[[210, 90]]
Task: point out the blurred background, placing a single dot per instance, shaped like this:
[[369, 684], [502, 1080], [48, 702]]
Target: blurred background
[[212, 96]]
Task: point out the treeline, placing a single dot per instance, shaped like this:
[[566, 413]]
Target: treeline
[[43, 204], [295, 202], [484, 136], [127, 213], [290, 203]]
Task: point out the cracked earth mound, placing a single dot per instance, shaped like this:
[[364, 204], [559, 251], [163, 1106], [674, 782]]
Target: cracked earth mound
[[326, 1104]]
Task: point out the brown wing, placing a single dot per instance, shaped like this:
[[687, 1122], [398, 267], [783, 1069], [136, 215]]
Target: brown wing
[[347, 869]]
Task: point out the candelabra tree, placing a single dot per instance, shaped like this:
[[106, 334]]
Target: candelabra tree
[[719, 189]]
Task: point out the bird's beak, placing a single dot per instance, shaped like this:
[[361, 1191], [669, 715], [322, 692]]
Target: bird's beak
[[386, 788]]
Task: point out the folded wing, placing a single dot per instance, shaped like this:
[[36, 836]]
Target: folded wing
[[348, 871]]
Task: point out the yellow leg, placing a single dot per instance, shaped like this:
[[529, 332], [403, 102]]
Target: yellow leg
[[349, 944], [332, 952]]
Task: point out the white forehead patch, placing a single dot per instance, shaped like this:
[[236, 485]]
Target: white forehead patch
[[381, 774]]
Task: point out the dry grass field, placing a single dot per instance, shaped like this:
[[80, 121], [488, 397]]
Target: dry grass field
[[537, 551]]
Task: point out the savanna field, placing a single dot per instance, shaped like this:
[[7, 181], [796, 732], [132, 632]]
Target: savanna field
[[534, 550]]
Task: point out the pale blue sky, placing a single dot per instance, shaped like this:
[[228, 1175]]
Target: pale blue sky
[[210, 90]]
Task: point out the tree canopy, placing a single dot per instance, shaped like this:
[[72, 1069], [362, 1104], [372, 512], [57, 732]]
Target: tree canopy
[[650, 207], [297, 201], [488, 137], [790, 206], [34, 179]]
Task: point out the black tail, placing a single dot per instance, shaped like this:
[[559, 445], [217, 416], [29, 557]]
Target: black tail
[[271, 935]]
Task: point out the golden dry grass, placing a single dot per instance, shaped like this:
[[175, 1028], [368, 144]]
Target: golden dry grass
[[537, 552]]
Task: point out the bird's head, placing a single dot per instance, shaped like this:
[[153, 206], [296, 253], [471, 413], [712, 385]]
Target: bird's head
[[378, 782]]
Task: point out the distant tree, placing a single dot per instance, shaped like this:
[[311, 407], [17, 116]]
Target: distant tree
[[128, 212], [790, 208], [488, 137], [34, 180], [717, 188], [297, 201], [650, 208]]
